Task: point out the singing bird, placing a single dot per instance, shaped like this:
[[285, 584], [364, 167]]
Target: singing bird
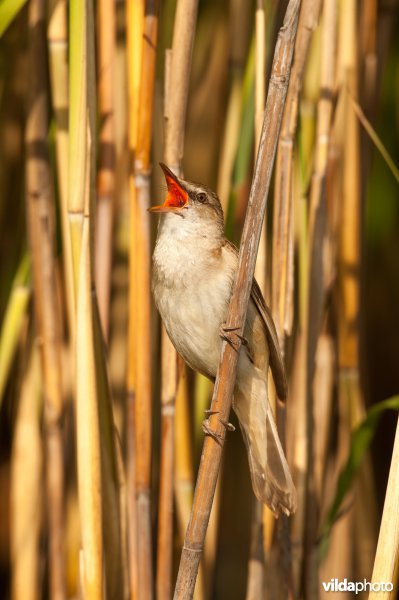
[[192, 277]]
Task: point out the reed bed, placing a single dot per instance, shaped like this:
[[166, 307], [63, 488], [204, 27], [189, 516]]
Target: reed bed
[[107, 480]]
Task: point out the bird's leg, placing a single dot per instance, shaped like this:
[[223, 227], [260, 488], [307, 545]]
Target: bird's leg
[[230, 335]]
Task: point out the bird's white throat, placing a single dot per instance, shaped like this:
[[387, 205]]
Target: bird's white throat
[[185, 246]]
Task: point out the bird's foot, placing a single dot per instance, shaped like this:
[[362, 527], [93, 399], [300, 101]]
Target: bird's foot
[[206, 428], [232, 337], [228, 426]]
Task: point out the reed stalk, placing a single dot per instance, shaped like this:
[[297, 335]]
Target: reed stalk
[[317, 239], [13, 321], [88, 432], [41, 225], [177, 71], [225, 380], [81, 125], [26, 483], [238, 12], [183, 453], [99, 477], [166, 471], [143, 387], [82, 160], [135, 22], [57, 42], [183, 471], [368, 51], [8, 12], [259, 516], [107, 156], [112, 478], [282, 270], [260, 91], [230, 139], [346, 228], [177, 82], [386, 557]]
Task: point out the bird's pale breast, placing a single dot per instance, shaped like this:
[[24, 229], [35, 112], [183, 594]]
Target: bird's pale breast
[[193, 308]]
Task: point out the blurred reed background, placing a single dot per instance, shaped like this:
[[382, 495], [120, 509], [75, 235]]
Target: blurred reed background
[[100, 421]]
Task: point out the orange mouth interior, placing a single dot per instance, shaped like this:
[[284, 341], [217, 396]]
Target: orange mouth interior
[[176, 196]]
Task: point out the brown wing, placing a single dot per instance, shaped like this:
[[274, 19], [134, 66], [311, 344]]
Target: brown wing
[[276, 359]]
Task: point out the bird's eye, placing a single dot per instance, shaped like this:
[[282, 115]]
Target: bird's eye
[[201, 197]]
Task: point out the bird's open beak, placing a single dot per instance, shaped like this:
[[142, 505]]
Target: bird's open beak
[[177, 196]]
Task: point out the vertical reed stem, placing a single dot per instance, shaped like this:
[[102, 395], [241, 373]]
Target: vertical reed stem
[[26, 482], [48, 314], [135, 19], [225, 380], [177, 70], [57, 34], [143, 388], [386, 558], [106, 166]]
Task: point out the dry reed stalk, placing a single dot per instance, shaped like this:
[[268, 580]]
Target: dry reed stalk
[[124, 524], [13, 320], [225, 380], [115, 559], [260, 515], [349, 239], [26, 484], [184, 487], [368, 51], [317, 239], [143, 388], [387, 553], [177, 70], [256, 561], [260, 90], [283, 254], [166, 468], [81, 125], [98, 473], [318, 208], [88, 432], [135, 21], [297, 451], [57, 40], [183, 471], [178, 81], [82, 161], [230, 139], [238, 11], [282, 269], [346, 229], [47, 308], [106, 167], [323, 387]]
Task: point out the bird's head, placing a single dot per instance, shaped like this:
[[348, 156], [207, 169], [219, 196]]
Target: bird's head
[[189, 200]]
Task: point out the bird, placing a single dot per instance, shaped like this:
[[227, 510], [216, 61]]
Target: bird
[[193, 270]]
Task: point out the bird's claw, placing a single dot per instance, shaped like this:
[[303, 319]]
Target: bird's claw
[[231, 336], [206, 428], [228, 426]]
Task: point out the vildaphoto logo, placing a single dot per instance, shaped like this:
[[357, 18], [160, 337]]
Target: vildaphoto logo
[[336, 585]]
